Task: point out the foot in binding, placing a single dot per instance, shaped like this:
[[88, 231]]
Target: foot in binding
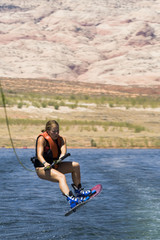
[[79, 191], [73, 201]]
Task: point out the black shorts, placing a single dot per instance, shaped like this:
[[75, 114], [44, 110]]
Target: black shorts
[[36, 162]]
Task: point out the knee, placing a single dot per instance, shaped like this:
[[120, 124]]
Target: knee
[[75, 165], [62, 178]]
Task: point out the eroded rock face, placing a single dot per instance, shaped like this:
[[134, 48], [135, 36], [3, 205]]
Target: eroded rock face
[[104, 41]]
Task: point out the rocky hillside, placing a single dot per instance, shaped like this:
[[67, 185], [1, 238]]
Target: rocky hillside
[[104, 41]]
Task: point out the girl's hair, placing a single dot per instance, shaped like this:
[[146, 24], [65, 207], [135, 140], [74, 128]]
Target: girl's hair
[[50, 124]]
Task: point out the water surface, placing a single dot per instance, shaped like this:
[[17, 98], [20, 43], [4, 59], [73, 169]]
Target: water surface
[[127, 208]]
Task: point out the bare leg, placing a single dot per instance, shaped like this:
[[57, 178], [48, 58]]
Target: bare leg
[[71, 167], [54, 176]]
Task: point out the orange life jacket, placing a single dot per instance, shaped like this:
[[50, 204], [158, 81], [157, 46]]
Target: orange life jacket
[[52, 144]]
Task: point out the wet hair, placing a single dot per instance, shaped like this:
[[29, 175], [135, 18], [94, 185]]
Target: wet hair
[[50, 124]]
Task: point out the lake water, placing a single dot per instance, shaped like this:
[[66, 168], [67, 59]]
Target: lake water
[[127, 208]]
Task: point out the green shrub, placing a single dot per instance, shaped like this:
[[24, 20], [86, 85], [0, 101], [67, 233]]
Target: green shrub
[[93, 143], [56, 106], [44, 104], [139, 129], [20, 105]]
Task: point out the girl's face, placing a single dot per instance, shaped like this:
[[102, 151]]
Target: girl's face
[[54, 132]]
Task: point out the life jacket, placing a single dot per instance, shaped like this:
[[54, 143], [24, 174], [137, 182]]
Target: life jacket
[[52, 149]]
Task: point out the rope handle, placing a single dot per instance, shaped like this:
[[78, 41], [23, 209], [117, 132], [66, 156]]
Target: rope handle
[[57, 161]]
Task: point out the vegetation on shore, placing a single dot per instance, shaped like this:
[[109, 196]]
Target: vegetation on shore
[[88, 132], [39, 100], [87, 125]]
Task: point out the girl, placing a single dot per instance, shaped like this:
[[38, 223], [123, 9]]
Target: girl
[[51, 146]]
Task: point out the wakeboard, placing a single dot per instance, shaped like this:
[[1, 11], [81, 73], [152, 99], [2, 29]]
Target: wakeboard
[[97, 188]]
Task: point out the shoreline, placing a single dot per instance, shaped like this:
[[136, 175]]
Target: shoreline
[[87, 123], [134, 148]]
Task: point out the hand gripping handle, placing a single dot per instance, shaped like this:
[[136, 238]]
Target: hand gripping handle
[[57, 161]]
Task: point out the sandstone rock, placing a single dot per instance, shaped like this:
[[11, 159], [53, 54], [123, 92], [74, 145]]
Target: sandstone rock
[[112, 42]]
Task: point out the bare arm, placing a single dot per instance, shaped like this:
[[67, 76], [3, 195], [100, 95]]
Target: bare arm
[[63, 147], [40, 149]]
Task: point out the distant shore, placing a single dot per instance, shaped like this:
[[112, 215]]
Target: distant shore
[[90, 115], [86, 148]]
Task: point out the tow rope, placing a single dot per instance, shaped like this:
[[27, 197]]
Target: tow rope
[[8, 127]]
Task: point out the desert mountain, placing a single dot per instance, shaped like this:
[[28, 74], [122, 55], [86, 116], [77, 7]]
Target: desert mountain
[[104, 41]]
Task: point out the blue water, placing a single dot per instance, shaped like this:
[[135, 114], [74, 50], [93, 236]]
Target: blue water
[[127, 208]]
